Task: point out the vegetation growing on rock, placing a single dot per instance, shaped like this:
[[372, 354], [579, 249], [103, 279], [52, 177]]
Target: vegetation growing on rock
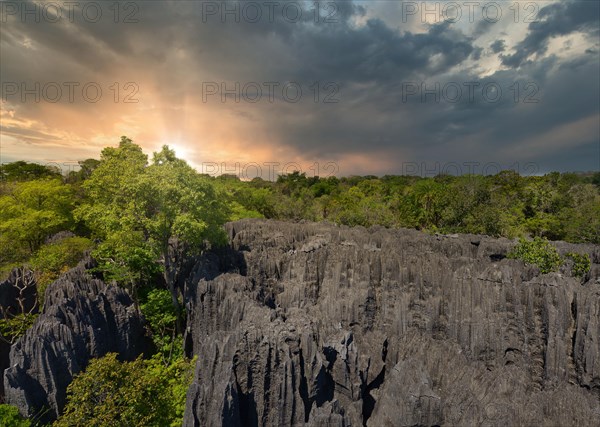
[[10, 417], [581, 264], [538, 252], [141, 393]]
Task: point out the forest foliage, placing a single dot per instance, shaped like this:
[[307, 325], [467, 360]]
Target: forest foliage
[[554, 206], [141, 218], [139, 393]]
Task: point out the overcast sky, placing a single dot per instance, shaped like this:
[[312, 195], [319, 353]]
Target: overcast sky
[[372, 87]]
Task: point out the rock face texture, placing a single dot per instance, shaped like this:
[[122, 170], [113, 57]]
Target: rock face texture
[[17, 295], [318, 325], [82, 318]]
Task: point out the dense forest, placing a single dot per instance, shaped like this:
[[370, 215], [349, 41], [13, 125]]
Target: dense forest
[[139, 217]]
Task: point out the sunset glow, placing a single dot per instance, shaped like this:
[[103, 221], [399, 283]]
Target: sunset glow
[[221, 91]]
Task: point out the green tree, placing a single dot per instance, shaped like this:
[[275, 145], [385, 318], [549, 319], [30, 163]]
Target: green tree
[[165, 210], [423, 204], [292, 182], [142, 393], [581, 264], [86, 167], [463, 197], [53, 259], [14, 327], [162, 318], [245, 200], [538, 252], [127, 258], [182, 213], [22, 311], [581, 219], [111, 188], [325, 187], [32, 212], [24, 171], [10, 417], [596, 179], [348, 209]]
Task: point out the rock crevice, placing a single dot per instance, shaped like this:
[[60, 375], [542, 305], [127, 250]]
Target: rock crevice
[[83, 318], [319, 325]]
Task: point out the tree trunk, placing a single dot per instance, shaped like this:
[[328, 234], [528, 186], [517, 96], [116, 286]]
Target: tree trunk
[[169, 275]]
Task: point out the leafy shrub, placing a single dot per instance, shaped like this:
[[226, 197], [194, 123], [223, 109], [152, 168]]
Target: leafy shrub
[[34, 211], [124, 257], [142, 393], [538, 252], [239, 211], [7, 268], [14, 327], [64, 253], [56, 258], [178, 375], [162, 318], [581, 264], [10, 417]]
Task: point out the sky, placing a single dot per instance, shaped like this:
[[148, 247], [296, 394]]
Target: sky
[[345, 87]]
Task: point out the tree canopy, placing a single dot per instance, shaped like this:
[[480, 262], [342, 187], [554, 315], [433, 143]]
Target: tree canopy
[[25, 171], [555, 206], [31, 212], [149, 216], [142, 393]]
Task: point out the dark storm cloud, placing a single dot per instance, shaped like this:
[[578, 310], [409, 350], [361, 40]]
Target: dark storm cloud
[[482, 27], [498, 46], [376, 53], [89, 44], [555, 20], [176, 48], [431, 131], [504, 129], [476, 54], [583, 158]]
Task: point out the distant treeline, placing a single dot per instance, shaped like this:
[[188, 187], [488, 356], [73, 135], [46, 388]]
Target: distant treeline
[[557, 206]]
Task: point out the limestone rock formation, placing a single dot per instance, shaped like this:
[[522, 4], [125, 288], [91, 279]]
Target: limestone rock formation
[[319, 325], [82, 318], [18, 295]]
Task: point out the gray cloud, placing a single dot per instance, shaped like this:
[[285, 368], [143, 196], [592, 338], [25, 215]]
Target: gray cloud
[[173, 50], [556, 19], [498, 46]]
